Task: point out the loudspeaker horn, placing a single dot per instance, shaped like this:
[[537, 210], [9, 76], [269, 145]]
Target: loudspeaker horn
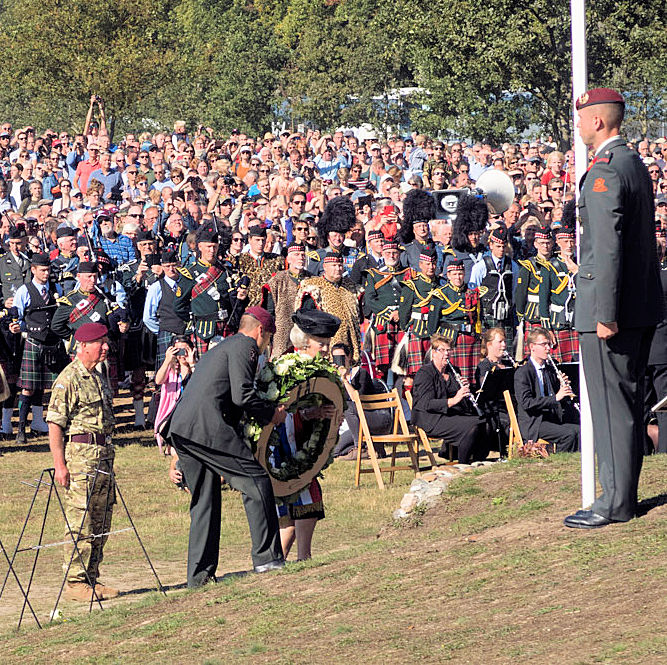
[[498, 190]]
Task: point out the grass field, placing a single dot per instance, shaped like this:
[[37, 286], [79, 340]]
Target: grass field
[[489, 575]]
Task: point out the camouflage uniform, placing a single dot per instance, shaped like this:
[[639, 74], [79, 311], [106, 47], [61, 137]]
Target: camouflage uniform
[[82, 403]]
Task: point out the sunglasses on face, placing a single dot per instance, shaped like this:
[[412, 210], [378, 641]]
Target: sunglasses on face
[[556, 189]]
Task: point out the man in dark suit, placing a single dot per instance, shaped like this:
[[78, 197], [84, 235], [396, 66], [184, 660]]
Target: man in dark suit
[[618, 303], [544, 412], [205, 431]]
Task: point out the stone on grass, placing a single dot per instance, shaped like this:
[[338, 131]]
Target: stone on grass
[[409, 501]]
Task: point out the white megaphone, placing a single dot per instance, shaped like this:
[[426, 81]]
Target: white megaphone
[[498, 190]]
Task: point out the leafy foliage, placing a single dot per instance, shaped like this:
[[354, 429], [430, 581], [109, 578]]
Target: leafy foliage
[[487, 69]]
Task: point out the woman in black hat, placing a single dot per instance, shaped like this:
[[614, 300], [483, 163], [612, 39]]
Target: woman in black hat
[[311, 335]]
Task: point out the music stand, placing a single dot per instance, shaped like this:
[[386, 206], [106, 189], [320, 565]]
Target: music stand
[[495, 383]]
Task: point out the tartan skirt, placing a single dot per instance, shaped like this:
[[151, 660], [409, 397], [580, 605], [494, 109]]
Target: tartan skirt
[[384, 344], [163, 342], [417, 349], [567, 346], [40, 365], [465, 355]]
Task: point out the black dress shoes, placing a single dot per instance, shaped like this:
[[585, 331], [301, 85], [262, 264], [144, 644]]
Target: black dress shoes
[[276, 564], [586, 519]]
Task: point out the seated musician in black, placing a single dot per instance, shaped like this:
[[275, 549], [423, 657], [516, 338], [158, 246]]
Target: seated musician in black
[[357, 378], [544, 410], [443, 409], [494, 350]]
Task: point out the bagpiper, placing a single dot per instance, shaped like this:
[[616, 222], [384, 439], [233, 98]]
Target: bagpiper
[[455, 314], [336, 220], [413, 308], [382, 295], [202, 295]]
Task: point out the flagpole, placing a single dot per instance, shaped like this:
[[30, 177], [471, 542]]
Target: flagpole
[[579, 86]]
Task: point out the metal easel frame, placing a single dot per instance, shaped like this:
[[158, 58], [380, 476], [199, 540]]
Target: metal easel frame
[[50, 482]]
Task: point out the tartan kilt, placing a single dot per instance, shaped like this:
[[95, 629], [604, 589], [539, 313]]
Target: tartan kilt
[[384, 344], [163, 342], [465, 355], [567, 349], [417, 349], [40, 365], [527, 327]]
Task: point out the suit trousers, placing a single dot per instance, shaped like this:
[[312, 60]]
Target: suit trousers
[[657, 382], [615, 371], [202, 467]]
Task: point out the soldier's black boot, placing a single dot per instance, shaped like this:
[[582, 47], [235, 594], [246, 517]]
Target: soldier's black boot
[[24, 410]]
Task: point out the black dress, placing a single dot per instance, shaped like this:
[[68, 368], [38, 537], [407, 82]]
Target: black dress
[[457, 425]]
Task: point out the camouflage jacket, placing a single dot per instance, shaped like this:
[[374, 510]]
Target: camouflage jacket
[[81, 401]]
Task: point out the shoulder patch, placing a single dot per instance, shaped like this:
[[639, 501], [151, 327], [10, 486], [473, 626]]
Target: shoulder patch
[[185, 272], [483, 290], [599, 185], [63, 301]]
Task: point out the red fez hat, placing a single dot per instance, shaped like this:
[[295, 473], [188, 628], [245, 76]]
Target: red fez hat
[[263, 317], [599, 96], [89, 332]]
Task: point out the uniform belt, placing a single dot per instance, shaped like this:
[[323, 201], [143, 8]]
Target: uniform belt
[[556, 308], [417, 316], [532, 298], [461, 327], [93, 439]]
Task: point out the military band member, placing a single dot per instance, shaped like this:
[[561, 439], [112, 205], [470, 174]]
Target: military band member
[[257, 264], [531, 298], [371, 258], [159, 315], [81, 422], [279, 296], [137, 346], [416, 296], [89, 303], [203, 297], [562, 297], [496, 277], [337, 295], [454, 314], [418, 210], [472, 216], [14, 265], [64, 260], [43, 354], [382, 295], [336, 220]]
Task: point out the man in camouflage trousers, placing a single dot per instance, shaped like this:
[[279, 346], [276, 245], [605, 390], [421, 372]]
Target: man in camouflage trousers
[[81, 420]]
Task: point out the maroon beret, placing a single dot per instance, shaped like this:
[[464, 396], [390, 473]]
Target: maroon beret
[[263, 317], [89, 332], [599, 96]]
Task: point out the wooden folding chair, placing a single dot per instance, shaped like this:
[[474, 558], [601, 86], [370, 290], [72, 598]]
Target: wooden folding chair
[[400, 435], [515, 434], [428, 443]]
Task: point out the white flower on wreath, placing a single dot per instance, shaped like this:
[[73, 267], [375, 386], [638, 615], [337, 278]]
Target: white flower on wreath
[[272, 392], [300, 456]]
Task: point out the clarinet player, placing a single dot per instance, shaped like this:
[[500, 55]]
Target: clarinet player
[[444, 408]]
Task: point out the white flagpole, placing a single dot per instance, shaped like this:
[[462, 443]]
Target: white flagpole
[[579, 85]]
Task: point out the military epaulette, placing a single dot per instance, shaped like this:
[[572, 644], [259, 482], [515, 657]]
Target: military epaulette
[[185, 272], [312, 254], [545, 263], [63, 301]]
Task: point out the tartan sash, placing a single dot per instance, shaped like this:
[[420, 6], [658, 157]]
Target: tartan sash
[[210, 277], [83, 307]]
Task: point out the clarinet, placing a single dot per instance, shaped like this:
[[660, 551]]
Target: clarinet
[[508, 357], [459, 380], [562, 377]]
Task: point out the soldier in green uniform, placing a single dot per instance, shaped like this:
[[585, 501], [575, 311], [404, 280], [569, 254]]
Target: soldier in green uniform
[[531, 298], [382, 294], [455, 314], [203, 297], [562, 297], [413, 310], [81, 420]]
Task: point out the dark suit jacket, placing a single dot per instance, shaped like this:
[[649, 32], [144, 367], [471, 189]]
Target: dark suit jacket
[[430, 393], [618, 269], [533, 408], [220, 391], [659, 346]]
